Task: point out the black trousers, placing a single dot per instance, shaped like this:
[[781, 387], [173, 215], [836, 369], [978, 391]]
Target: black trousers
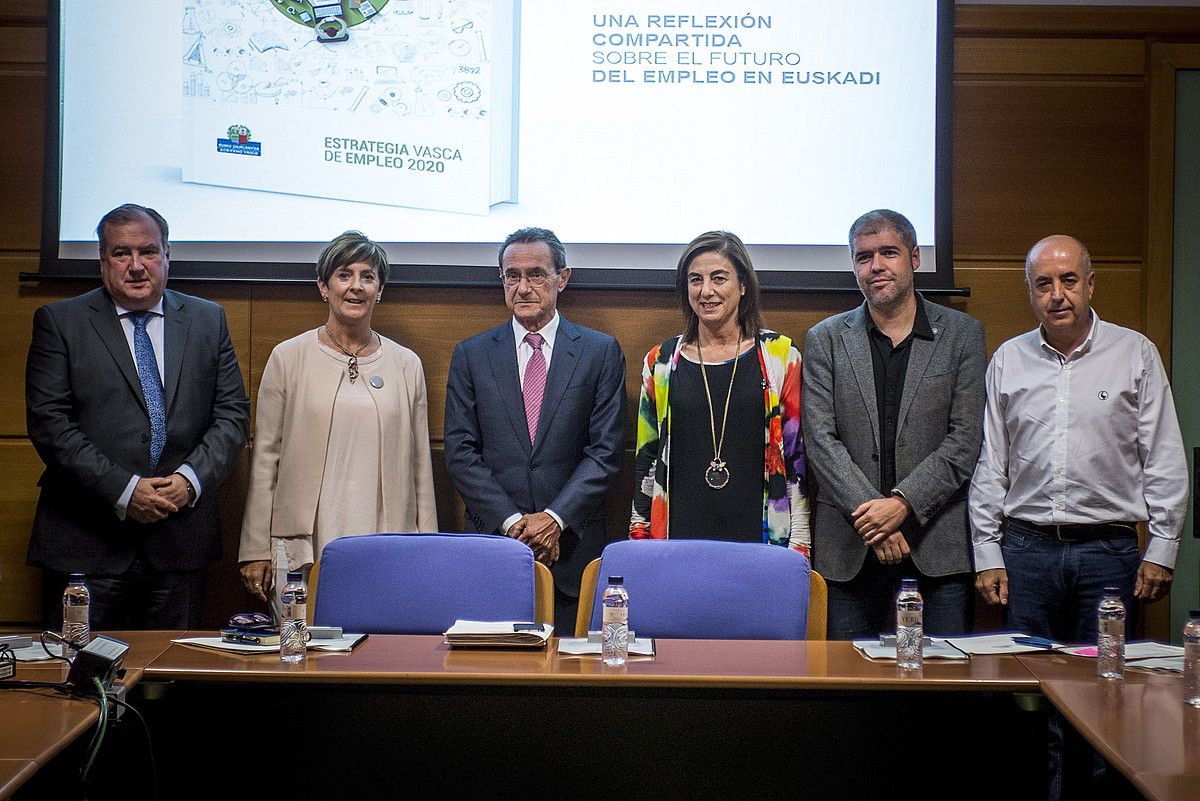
[[139, 598]]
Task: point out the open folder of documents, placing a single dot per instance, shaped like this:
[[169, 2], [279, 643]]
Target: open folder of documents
[[345, 643], [586, 646], [503, 634]]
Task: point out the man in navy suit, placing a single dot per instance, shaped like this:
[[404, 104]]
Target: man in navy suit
[[535, 419], [135, 402]]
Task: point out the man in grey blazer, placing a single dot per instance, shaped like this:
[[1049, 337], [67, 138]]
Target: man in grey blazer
[[893, 403], [135, 402], [535, 419]]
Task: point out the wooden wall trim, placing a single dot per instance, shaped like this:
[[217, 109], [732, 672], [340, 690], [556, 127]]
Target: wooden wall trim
[[1031, 56], [23, 12], [1079, 21], [1165, 59]]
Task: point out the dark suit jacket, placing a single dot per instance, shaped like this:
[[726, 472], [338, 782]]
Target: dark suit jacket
[[87, 418], [577, 449], [939, 431]]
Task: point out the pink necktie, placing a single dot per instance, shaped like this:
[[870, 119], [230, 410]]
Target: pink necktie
[[535, 383]]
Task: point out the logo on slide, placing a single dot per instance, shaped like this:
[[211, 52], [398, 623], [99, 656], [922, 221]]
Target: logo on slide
[[332, 19], [238, 142]]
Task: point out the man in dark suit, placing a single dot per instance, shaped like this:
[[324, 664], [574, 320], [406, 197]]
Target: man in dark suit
[[893, 405], [135, 402], [535, 418]]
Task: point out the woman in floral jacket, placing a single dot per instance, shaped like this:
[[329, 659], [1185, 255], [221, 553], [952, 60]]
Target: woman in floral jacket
[[720, 454]]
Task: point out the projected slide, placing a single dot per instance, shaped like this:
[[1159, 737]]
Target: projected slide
[[259, 127], [412, 107]]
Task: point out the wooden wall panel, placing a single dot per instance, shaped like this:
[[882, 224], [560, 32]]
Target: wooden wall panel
[[23, 99], [20, 586], [16, 324], [1036, 158]]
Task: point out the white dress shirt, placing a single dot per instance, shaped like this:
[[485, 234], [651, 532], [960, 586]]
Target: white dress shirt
[[1087, 437], [154, 329], [524, 353]]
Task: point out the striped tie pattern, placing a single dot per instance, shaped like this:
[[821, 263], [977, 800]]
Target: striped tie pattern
[[535, 383], [152, 389]]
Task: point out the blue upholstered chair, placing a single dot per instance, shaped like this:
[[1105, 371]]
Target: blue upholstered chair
[[422, 583], [702, 589]]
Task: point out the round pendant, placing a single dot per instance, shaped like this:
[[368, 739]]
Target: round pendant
[[717, 475]]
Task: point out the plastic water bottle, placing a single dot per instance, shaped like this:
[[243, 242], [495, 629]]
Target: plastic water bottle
[[293, 619], [614, 640], [1110, 643], [1191, 659], [77, 609], [910, 625]]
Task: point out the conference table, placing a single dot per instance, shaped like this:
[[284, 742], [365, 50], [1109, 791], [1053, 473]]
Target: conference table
[[699, 719], [39, 724], [1140, 724]]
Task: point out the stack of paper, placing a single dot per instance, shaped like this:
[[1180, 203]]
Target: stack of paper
[[937, 649], [506, 634]]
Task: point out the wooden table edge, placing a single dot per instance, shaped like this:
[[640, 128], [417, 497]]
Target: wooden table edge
[[23, 771]]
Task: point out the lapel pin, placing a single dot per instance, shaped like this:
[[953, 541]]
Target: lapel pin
[[377, 381]]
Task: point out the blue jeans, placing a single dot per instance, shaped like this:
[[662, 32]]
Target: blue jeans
[[1054, 587], [864, 606]]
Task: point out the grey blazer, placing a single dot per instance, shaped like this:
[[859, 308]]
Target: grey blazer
[[938, 436]]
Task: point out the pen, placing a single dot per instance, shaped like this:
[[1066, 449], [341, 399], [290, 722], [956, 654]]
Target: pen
[[1036, 642]]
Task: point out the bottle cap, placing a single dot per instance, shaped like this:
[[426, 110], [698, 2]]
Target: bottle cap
[[295, 575], [908, 583], [1194, 613], [616, 579], [1112, 590], [76, 577]]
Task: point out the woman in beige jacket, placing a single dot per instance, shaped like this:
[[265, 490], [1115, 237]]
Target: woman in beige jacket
[[341, 442]]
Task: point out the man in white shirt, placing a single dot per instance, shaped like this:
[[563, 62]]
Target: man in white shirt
[[1081, 443]]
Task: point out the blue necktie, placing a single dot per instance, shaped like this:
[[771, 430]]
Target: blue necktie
[[147, 365]]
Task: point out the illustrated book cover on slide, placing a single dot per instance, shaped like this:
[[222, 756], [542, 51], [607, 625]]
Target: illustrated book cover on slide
[[400, 102]]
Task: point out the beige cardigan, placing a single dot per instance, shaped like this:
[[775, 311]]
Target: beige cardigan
[[292, 422]]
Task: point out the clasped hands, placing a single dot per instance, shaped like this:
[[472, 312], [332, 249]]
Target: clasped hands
[[878, 522], [541, 533], [155, 498]]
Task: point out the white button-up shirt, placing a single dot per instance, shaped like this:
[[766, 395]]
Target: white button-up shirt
[[525, 351], [1086, 437]]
